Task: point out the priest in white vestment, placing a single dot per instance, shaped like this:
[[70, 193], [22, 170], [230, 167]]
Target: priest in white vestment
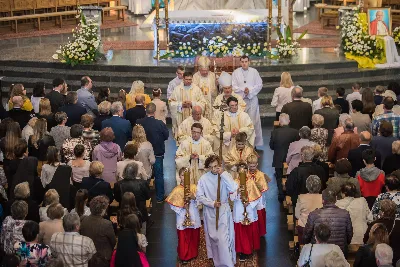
[[247, 83], [192, 153], [220, 243], [236, 121], [185, 96], [176, 81], [185, 132], [206, 81], [225, 82]]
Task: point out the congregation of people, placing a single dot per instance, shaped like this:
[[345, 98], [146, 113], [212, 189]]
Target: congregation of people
[[78, 169], [340, 155]]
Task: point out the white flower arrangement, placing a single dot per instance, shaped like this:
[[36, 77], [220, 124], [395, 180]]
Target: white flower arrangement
[[217, 46], [396, 35], [355, 39], [84, 47], [287, 46]]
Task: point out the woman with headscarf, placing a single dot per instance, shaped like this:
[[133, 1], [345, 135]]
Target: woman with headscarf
[[136, 89]]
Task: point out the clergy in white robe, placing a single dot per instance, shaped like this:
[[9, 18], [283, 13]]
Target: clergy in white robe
[[220, 243], [236, 121], [192, 153], [225, 82], [185, 132], [247, 237], [238, 153], [247, 83], [206, 81], [176, 81], [185, 96], [188, 236]]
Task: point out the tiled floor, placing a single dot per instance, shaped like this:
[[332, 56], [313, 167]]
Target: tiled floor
[[162, 238]]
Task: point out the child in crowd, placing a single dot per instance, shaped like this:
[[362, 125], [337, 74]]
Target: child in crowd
[[261, 180], [181, 203], [161, 106]]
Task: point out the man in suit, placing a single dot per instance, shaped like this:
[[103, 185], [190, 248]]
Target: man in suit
[[355, 157], [86, 98], [55, 97], [137, 112], [19, 115], [280, 140], [299, 112], [72, 109], [361, 121], [341, 101], [122, 128], [156, 133]]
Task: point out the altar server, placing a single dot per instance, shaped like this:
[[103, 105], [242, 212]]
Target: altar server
[[184, 97], [220, 242], [188, 236], [176, 81], [235, 121], [225, 82], [238, 154], [261, 180], [247, 236], [192, 153], [247, 83], [206, 81], [185, 132]]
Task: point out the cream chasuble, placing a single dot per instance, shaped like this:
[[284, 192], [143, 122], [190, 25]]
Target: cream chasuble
[[185, 131], [235, 156], [209, 89], [196, 166], [221, 99], [179, 95], [239, 120]]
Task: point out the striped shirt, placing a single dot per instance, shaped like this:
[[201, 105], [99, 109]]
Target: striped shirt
[[387, 116], [74, 249]]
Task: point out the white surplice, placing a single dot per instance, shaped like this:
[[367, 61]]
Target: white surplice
[[185, 131], [209, 89], [196, 166], [180, 94], [181, 213], [251, 79], [172, 84], [220, 243], [238, 208]]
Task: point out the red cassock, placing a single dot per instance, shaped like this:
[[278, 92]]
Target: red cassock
[[262, 222], [247, 237], [188, 243]]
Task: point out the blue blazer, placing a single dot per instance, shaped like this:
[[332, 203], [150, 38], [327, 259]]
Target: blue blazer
[[156, 133], [122, 130]]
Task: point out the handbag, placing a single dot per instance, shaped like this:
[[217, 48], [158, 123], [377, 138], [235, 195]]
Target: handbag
[[308, 262]]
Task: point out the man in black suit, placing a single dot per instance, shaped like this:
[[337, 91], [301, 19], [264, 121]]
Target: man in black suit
[[55, 97], [300, 112], [156, 133], [73, 110], [343, 103], [354, 155], [137, 112], [19, 115], [280, 140]]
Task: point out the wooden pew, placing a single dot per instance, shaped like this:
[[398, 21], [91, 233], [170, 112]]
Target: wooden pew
[[119, 9]]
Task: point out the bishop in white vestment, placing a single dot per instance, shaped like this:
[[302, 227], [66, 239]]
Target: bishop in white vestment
[[206, 81], [185, 96], [192, 153], [247, 83], [220, 243], [185, 132]]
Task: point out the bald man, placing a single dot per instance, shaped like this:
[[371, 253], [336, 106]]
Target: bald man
[[137, 112], [18, 114], [209, 133], [354, 155]]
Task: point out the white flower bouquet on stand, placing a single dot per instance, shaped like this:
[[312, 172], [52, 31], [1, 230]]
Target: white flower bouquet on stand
[[84, 48]]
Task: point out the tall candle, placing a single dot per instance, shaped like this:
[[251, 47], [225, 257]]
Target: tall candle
[[242, 178]]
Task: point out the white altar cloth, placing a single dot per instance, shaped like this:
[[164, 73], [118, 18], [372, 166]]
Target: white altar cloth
[[392, 57], [213, 16]]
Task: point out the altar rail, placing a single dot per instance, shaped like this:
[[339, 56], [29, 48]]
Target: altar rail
[[10, 8]]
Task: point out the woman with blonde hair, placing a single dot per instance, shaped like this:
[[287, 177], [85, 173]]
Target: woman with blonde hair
[[136, 89], [28, 129], [19, 90], [40, 141], [330, 114], [45, 113], [206, 81], [145, 152], [282, 94]]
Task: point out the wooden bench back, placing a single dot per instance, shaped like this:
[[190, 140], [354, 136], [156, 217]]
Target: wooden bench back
[[5, 6], [88, 2], [64, 3], [46, 4], [21, 5]]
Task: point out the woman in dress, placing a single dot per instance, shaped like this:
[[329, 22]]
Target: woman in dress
[[45, 113], [145, 152], [19, 90], [320, 135], [39, 142], [38, 94], [282, 94], [81, 200], [368, 101], [136, 89], [161, 106]]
